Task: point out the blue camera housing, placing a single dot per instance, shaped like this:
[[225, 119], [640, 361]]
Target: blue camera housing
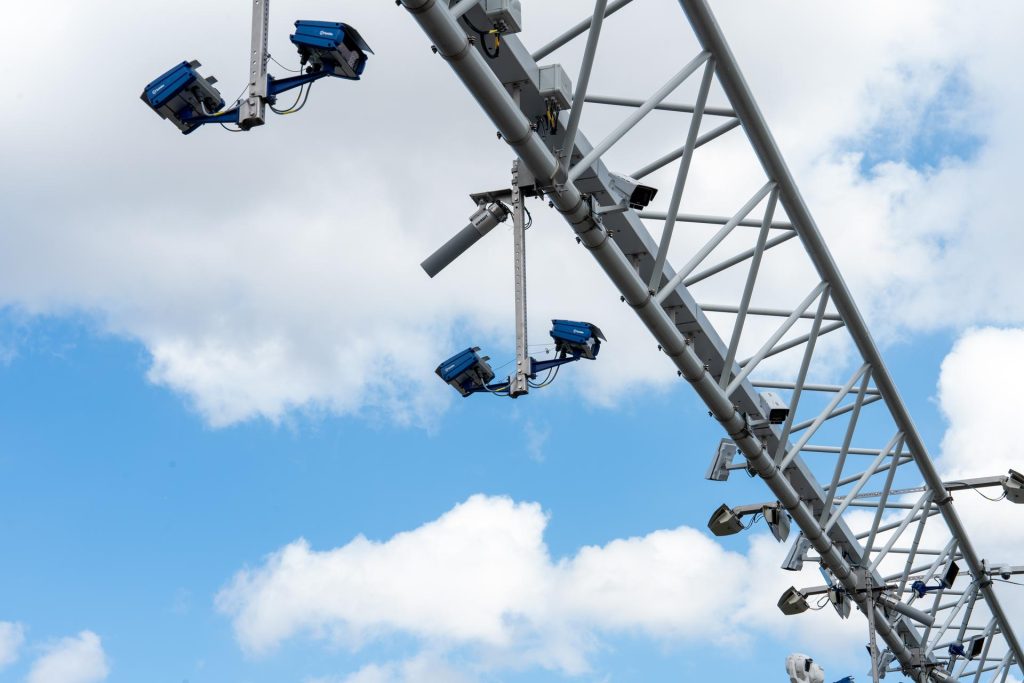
[[576, 339], [182, 96], [331, 46], [466, 371]]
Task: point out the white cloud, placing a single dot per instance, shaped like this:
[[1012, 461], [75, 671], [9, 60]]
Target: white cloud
[[277, 271], [978, 392], [78, 659], [480, 579], [12, 637], [423, 667]]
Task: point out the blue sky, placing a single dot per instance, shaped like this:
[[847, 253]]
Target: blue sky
[[129, 514], [215, 346]]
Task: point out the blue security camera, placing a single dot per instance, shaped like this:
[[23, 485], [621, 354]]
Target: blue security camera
[[467, 371], [576, 339], [331, 47], [183, 96], [189, 100]]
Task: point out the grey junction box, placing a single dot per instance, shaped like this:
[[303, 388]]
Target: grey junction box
[[554, 84], [507, 15]]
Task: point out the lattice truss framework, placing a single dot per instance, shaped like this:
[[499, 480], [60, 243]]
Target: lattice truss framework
[[873, 538]]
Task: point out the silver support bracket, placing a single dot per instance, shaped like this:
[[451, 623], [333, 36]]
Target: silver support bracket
[[252, 112]]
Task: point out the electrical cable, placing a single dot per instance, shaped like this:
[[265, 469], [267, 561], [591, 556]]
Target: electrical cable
[[482, 34], [552, 374], [237, 101], [291, 108], [309, 88], [544, 382], [294, 71], [529, 217], [824, 600], [1015, 583], [994, 500]]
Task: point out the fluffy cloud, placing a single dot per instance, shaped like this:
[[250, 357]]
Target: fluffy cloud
[[78, 659], [278, 271], [424, 667], [978, 393], [480, 579], [12, 637]]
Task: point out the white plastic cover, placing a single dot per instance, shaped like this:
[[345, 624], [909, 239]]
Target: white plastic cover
[[802, 669]]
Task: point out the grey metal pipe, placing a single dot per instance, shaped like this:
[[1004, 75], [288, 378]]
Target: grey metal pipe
[[712, 39], [462, 7], [664, 106], [576, 30], [906, 610], [704, 139], [637, 116], [734, 260], [583, 82], [714, 220], [481, 223]]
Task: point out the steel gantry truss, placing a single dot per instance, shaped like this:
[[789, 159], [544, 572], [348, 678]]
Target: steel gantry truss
[[925, 613]]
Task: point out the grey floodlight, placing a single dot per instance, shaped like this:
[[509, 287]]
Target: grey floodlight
[[1013, 486], [720, 466], [793, 602], [778, 521], [794, 561], [483, 220], [725, 521], [631, 191]]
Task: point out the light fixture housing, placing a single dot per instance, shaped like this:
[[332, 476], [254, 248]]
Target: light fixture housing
[[725, 522], [719, 470], [793, 602], [1013, 487], [794, 561]]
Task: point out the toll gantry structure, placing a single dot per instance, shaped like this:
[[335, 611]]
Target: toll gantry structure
[[912, 569]]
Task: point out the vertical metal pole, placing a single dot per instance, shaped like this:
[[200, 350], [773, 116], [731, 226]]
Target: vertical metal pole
[[872, 640], [253, 110], [519, 384]]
